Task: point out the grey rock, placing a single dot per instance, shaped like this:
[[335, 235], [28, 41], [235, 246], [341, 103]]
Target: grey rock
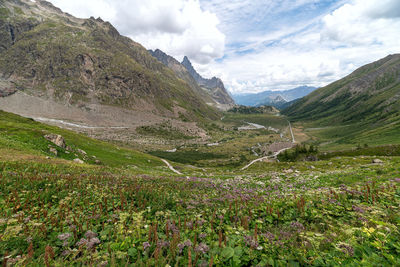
[[378, 161], [80, 151], [56, 139], [78, 161], [53, 150]]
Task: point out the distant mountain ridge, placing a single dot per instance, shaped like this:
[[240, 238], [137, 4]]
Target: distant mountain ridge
[[371, 92], [277, 99], [212, 90]]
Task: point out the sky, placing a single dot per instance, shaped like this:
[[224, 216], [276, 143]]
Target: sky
[[258, 45]]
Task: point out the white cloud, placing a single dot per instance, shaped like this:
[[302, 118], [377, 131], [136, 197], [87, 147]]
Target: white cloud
[[364, 23], [332, 46], [178, 27]]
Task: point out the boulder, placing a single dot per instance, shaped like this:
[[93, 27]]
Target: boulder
[[56, 139], [53, 150], [78, 161], [377, 161], [80, 151]]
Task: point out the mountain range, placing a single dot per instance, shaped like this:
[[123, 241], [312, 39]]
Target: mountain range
[[278, 99], [56, 66], [212, 90]]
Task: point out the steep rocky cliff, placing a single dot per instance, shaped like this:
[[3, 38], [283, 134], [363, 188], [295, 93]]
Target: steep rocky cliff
[[211, 90]]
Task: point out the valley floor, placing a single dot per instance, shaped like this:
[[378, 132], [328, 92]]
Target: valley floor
[[123, 207]]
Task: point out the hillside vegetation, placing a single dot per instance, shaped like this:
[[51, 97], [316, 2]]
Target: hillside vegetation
[[54, 212], [363, 107]]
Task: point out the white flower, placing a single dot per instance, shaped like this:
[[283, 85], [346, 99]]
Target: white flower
[[259, 248]]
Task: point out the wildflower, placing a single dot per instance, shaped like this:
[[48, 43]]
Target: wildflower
[[298, 227], [349, 250], [250, 241], [202, 235], [162, 243], [146, 245], [203, 248], [81, 242], [181, 246], [89, 234], [65, 253], [189, 225], [64, 237], [93, 242], [358, 209], [268, 236], [188, 243], [27, 219]]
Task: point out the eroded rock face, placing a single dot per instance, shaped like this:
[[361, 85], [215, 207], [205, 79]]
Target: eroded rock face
[[56, 139], [6, 92], [215, 85]]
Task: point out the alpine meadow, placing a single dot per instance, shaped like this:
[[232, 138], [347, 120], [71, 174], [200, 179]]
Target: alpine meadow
[[199, 133]]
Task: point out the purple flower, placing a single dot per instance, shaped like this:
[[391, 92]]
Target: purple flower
[[189, 225], [65, 253], [162, 243], [298, 227], [181, 246], [268, 236], [64, 237], [81, 242], [146, 245], [188, 243], [358, 209], [93, 242], [349, 250], [250, 241], [89, 234], [203, 248]]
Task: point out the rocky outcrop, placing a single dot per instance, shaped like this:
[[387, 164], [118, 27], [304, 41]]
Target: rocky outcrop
[[210, 89], [56, 139], [214, 85], [6, 92]]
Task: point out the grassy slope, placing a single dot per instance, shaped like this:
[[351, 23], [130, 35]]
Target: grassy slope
[[369, 115], [20, 137]]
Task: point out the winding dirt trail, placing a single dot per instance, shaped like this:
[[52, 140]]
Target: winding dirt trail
[[275, 154], [170, 167]]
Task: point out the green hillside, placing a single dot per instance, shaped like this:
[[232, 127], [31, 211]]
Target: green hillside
[[363, 107], [22, 138]]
